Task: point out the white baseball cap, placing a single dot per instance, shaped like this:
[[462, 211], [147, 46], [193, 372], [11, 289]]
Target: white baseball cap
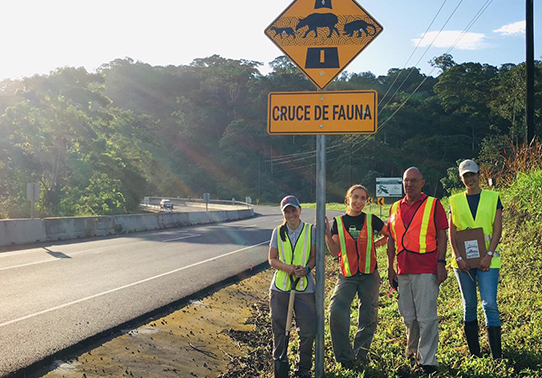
[[467, 166]]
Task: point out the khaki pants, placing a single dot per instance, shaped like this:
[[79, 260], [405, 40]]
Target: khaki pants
[[418, 305], [305, 319]]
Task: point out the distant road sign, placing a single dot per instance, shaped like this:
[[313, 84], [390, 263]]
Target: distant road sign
[[323, 36], [370, 200], [344, 112], [33, 191], [380, 201], [389, 187]]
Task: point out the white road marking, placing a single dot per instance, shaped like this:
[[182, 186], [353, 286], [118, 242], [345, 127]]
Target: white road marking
[[183, 237], [127, 286], [17, 253], [32, 263]]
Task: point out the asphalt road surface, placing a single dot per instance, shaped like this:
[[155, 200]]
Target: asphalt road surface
[[55, 295]]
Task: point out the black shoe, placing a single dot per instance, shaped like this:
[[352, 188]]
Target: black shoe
[[303, 374], [347, 365]]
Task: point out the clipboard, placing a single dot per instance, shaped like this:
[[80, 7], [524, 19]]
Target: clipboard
[[471, 245]]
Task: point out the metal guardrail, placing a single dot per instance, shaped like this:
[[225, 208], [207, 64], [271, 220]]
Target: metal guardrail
[[153, 203]]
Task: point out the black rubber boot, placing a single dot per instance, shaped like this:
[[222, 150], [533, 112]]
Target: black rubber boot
[[494, 335], [471, 334]]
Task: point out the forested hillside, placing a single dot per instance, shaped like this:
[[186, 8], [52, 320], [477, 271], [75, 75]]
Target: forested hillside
[[98, 142]]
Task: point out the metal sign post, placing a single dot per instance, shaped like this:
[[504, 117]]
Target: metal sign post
[[32, 195], [320, 251], [206, 200]]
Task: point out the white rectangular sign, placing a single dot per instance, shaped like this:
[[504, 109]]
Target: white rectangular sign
[[389, 187]]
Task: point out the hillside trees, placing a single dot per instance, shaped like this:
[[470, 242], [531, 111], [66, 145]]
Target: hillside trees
[[60, 131], [98, 142]]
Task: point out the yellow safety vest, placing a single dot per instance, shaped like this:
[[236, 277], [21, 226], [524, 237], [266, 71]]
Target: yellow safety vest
[[485, 217], [299, 256]]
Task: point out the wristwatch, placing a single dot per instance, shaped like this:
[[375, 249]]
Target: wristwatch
[[458, 258], [490, 253]]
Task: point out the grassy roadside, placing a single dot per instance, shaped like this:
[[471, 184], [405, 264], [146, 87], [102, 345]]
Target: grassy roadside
[[520, 302]]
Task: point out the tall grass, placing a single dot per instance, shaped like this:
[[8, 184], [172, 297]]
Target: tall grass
[[505, 165]]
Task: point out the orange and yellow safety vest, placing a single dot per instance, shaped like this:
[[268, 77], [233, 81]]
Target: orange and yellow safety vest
[[357, 256], [420, 235]]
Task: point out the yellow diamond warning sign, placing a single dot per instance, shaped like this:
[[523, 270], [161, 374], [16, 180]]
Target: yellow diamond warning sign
[[330, 112], [323, 36]]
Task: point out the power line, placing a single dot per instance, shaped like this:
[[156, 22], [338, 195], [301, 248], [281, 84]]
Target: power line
[[415, 48], [421, 57], [469, 25]]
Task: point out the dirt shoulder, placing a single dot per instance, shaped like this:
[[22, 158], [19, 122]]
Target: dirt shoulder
[[214, 336]]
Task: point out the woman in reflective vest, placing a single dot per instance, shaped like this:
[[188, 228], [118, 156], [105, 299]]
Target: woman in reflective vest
[[292, 255], [476, 208], [352, 239]]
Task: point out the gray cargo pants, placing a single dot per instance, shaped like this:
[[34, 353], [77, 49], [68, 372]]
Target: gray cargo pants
[[366, 287]]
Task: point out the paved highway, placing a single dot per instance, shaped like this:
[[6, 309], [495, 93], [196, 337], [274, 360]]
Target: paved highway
[[56, 295]]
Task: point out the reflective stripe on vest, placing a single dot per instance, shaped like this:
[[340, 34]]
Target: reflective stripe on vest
[[357, 256], [420, 236], [299, 256], [485, 217]]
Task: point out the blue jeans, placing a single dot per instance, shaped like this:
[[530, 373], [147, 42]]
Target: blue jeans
[[487, 283]]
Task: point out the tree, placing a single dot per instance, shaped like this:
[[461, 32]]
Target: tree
[[443, 62]]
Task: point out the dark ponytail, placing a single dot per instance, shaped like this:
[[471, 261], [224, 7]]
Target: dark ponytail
[[282, 231]]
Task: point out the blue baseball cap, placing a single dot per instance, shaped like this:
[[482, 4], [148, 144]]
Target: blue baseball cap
[[289, 201]]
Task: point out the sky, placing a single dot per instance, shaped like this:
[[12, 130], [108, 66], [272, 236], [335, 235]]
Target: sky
[[39, 36]]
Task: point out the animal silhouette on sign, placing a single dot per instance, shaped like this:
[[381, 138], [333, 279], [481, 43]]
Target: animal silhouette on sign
[[318, 20], [283, 31], [358, 26]]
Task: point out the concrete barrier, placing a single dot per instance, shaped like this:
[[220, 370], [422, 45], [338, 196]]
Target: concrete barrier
[[135, 223], [28, 231], [78, 227], [22, 231], [199, 218], [171, 220]]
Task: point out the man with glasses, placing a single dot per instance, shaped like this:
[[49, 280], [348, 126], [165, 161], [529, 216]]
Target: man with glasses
[[418, 227]]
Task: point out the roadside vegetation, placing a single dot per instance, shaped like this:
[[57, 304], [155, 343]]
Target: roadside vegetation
[[98, 142], [520, 292]]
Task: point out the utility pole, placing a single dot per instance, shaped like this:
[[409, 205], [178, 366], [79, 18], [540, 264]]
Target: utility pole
[[529, 74]]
